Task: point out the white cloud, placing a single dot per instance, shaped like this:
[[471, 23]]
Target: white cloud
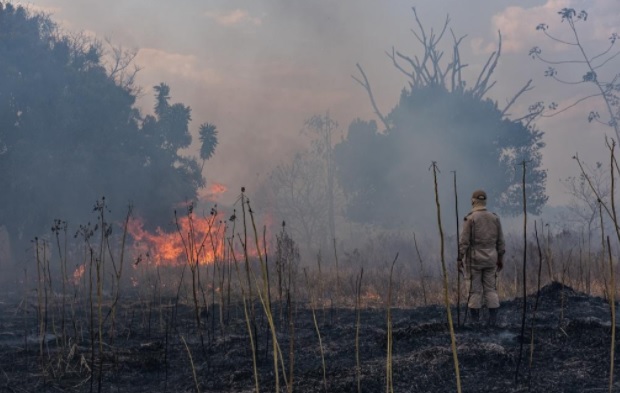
[[234, 17], [518, 24], [480, 46]]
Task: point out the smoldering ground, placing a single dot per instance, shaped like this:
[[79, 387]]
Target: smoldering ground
[[566, 347]]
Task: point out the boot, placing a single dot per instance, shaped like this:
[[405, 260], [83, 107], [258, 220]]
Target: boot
[[475, 315], [492, 317]]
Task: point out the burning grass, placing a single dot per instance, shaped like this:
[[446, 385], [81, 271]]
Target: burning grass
[[215, 307]]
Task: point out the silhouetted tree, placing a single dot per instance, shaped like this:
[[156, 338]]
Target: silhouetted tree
[[70, 134], [208, 140], [297, 193], [324, 127], [438, 118], [598, 77]]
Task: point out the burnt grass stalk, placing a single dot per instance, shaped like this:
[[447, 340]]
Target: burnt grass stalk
[[119, 324], [524, 293], [358, 296], [247, 316], [612, 214], [192, 248], [316, 327], [538, 279], [264, 299], [445, 281], [389, 373]]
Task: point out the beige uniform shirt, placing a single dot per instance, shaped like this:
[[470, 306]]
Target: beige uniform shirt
[[482, 239]]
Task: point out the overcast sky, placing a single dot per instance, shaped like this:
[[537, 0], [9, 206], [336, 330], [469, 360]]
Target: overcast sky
[[258, 68]]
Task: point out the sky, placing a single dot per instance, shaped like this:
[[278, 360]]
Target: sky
[[257, 69]]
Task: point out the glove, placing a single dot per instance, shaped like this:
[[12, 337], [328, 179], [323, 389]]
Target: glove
[[500, 263]]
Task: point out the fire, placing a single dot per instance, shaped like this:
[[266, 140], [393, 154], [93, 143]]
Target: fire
[[78, 274], [213, 192], [200, 237]]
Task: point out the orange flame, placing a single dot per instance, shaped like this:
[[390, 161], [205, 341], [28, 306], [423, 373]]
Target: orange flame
[[212, 192], [78, 274], [199, 239]]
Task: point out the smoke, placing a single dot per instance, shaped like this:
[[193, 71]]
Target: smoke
[[258, 70]]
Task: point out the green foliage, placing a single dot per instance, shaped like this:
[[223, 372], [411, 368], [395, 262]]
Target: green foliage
[[69, 133]]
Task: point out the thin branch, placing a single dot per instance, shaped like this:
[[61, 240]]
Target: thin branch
[[606, 61], [486, 90], [559, 40], [572, 105], [556, 62], [528, 86], [456, 65], [423, 40], [529, 117], [605, 98], [567, 82], [594, 190], [606, 51], [443, 30], [366, 85], [398, 66], [481, 86]]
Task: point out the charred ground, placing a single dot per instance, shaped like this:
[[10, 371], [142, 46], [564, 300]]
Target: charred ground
[[571, 352]]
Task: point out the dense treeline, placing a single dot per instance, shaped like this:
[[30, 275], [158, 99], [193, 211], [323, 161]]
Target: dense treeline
[[70, 132]]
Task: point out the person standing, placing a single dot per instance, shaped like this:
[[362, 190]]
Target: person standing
[[481, 254]]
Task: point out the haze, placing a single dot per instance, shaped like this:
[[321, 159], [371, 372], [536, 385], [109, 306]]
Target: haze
[[259, 69]]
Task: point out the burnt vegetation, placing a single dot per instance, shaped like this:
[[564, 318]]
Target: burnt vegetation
[[242, 324], [222, 301]]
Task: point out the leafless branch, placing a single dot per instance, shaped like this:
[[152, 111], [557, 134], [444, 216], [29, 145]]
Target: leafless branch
[[529, 117], [557, 62], [398, 66], [559, 40], [526, 87], [485, 91], [572, 105], [568, 82], [456, 65], [606, 60], [606, 51], [122, 67], [366, 85], [422, 31], [480, 88]]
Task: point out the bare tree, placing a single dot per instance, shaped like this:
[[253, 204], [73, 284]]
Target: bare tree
[[121, 65], [584, 205], [430, 69], [325, 127], [297, 193], [598, 70]]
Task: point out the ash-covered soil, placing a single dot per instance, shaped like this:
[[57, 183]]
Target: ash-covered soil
[[571, 349]]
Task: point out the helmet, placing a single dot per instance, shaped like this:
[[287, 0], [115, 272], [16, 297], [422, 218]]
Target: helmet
[[480, 195]]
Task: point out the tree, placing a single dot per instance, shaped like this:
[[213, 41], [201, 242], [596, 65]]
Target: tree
[[70, 134], [438, 118], [324, 127], [297, 193], [584, 204], [598, 72], [304, 192]]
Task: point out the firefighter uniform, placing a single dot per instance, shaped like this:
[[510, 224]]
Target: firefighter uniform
[[481, 247]]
